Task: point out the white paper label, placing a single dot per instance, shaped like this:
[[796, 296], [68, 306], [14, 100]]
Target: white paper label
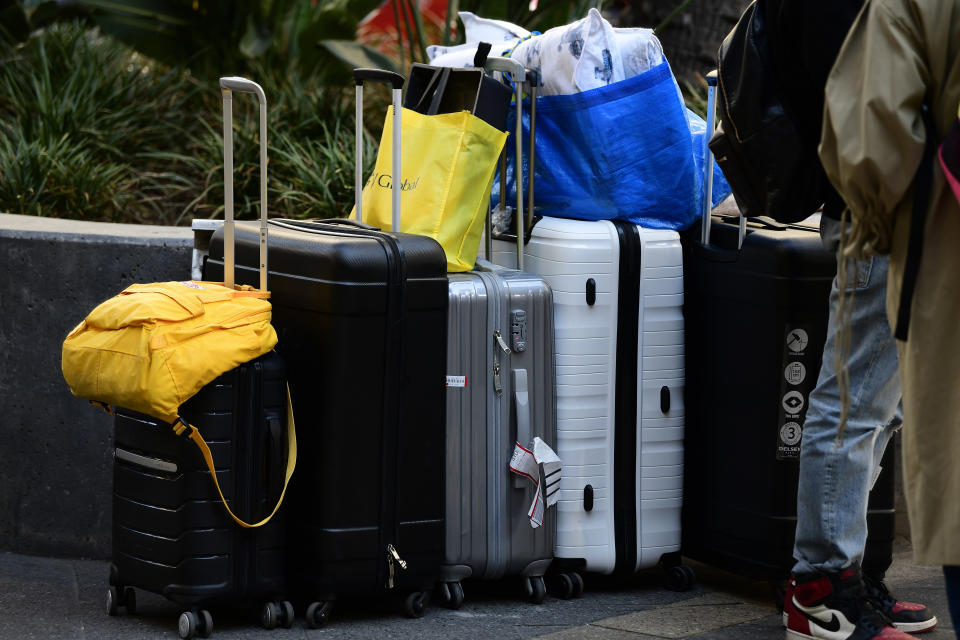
[[456, 381], [526, 463]]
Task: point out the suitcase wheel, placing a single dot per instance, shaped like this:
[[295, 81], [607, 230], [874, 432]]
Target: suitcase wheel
[[318, 614], [194, 623], [536, 589], [277, 613], [679, 578], [567, 585], [118, 597], [113, 601], [130, 600], [452, 593], [577, 584], [269, 615], [415, 604], [287, 614]]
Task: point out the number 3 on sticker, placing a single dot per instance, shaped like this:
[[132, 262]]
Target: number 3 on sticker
[[456, 381]]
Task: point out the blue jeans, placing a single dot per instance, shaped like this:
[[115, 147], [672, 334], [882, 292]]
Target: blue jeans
[[835, 482]]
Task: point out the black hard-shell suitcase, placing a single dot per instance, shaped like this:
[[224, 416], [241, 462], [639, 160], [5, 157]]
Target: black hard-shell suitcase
[[756, 306], [171, 533], [361, 316]]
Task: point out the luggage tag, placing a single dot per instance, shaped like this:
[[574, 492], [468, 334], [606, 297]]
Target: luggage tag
[[526, 463]]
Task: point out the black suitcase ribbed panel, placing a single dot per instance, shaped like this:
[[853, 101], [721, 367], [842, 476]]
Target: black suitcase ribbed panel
[[171, 534]]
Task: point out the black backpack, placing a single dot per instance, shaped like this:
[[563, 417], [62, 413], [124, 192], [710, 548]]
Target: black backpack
[[772, 167]]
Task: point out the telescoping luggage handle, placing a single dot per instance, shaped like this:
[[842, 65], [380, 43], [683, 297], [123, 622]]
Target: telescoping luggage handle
[[395, 80], [520, 76], [708, 166], [229, 85]]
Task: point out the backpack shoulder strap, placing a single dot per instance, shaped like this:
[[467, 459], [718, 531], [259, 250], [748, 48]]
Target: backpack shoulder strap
[[192, 433]]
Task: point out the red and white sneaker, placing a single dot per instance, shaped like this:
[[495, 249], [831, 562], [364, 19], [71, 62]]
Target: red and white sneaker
[[833, 606], [911, 617]]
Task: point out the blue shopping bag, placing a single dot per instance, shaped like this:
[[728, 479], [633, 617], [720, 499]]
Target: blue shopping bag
[[626, 151]]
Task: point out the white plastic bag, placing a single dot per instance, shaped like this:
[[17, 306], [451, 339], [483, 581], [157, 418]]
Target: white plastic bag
[[582, 55], [499, 33], [588, 54], [640, 50], [478, 29], [575, 57], [461, 55]]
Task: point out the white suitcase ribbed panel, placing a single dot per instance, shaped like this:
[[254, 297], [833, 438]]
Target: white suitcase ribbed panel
[[660, 380], [566, 253]]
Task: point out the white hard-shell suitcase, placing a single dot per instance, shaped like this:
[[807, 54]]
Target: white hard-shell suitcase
[[618, 298]]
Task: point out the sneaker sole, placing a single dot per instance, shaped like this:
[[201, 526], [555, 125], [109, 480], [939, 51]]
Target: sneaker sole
[[917, 627], [796, 635]]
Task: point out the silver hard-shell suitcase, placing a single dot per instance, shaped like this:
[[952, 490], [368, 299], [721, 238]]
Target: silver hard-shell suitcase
[[500, 391]]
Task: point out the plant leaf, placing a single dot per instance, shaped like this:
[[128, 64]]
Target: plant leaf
[[358, 55]]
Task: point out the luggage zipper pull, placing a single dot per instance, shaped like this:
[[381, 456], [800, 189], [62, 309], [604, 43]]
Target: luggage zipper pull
[[392, 558], [503, 343], [497, 384]]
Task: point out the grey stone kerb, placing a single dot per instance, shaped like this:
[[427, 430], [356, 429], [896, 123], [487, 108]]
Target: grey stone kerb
[[55, 449]]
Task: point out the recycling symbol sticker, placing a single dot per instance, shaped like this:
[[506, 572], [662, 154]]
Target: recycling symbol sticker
[[793, 402]]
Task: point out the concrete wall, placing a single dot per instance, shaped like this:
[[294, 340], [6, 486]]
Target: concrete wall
[[55, 449]]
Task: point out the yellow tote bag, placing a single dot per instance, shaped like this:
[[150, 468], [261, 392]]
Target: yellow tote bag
[[447, 166]]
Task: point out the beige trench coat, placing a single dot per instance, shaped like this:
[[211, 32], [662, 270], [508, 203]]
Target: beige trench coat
[[898, 53]]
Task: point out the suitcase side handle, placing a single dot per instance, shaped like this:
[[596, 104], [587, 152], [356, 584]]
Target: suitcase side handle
[[229, 85], [273, 456], [395, 80], [521, 399]]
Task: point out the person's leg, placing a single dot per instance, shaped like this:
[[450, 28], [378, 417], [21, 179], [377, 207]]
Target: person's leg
[[835, 481], [876, 558], [836, 478], [952, 575]]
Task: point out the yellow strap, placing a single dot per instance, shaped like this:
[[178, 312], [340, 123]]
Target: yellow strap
[[291, 462]]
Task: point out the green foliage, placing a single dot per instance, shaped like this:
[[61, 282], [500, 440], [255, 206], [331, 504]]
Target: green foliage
[[210, 37], [90, 130], [77, 114], [40, 176]]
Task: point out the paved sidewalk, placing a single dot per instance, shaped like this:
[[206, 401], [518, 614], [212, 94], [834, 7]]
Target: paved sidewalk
[[64, 598]]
